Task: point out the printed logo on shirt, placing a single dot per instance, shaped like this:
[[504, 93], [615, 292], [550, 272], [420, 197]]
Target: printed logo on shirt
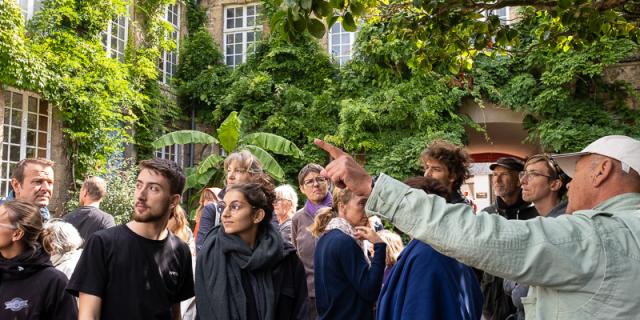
[[173, 274], [16, 304]]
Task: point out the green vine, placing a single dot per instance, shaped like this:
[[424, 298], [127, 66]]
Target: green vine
[[100, 100]]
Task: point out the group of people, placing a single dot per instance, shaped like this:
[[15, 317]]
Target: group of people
[[530, 255]]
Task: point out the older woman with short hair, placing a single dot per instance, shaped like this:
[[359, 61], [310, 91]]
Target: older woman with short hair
[[285, 207], [62, 241]]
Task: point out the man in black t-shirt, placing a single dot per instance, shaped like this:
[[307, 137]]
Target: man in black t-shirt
[[138, 270], [88, 218]]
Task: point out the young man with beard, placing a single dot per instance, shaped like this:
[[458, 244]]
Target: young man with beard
[[449, 164], [139, 270]]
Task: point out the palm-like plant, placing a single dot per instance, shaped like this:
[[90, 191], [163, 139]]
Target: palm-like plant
[[231, 138]]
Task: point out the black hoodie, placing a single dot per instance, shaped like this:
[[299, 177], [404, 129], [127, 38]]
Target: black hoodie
[[31, 288]]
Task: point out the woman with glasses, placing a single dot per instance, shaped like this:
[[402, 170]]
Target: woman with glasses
[[316, 188], [30, 287], [347, 283], [284, 207], [544, 184], [245, 269], [239, 167]]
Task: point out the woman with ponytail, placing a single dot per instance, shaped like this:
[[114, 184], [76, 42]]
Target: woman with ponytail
[[245, 270], [347, 284], [30, 287]]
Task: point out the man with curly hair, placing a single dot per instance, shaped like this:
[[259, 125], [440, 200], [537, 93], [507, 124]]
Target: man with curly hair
[[449, 164]]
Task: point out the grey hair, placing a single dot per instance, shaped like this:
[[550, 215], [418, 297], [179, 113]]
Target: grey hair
[[286, 191], [60, 237]]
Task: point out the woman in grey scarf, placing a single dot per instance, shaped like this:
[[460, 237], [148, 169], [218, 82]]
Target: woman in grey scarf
[[245, 270]]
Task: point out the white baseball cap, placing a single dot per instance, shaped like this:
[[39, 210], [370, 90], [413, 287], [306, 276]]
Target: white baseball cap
[[621, 148]]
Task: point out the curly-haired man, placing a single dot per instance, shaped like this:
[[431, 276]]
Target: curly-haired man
[[448, 164]]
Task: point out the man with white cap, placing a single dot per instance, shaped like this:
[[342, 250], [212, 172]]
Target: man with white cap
[[580, 266]]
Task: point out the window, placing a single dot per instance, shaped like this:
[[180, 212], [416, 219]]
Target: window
[[168, 63], [242, 28], [114, 38], [174, 152], [26, 132], [341, 43], [29, 7]]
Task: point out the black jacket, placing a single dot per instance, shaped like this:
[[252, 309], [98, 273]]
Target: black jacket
[[497, 304], [31, 288]]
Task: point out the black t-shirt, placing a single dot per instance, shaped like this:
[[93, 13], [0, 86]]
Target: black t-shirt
[[89, 220], [137, 278]]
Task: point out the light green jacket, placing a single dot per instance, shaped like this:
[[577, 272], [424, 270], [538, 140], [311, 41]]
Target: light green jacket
[[580, 266]]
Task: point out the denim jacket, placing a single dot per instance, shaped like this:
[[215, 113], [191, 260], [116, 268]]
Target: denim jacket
[[580, 266]]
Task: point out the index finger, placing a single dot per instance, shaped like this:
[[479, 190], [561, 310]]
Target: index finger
[[332, 150]]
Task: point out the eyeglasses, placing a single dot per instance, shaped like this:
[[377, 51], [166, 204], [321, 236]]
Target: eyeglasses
[[532, 174], [320, 180], [8, 226], [234, 207]]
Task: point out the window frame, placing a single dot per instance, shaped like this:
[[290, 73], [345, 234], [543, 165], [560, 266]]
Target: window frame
[[176, 155], [341, 59], [244, 30], [166, 56], [5, 177], [108, 37], [32, 6]]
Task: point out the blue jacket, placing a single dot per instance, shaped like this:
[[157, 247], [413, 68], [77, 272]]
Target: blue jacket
[[346, 286], [425, 284]]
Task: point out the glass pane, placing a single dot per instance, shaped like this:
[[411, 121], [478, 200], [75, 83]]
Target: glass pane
[[42, 140], [3, 189], [238, 22], [31, 152], [230, 13], [238, 38], [43, 123], [238, 48], [16, 117], [12, 166], [229, 23], [15, 135], [42, 153], [346, 38], [229, 60], [335, 39], [251, 10], [14, 153], [32, 121], [44, 107], [7, 98], [5, 151], [230, 38], [33, 104], [31, 138], [251, 21], [250, 37], [7, 115], [17, 101], [5, 134]]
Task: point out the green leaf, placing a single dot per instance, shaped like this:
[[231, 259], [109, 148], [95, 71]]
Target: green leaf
[[210, 162], [300, 25], [337, 4], [269, 164], [564, 4], [229, 132], [278, 17], [273, 143], [348, 23], [316, 28], [183, 137], [331, 20], [322, 8], [198, 181], [357, 8]]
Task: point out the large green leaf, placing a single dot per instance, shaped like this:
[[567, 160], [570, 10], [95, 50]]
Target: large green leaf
[[183, 137], [198, 181], [269, 164], [229, 132], [208, 163], [273, 143]]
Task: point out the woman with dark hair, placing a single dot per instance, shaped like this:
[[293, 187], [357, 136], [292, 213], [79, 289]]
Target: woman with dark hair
[[30, 287], [239, 167], [347, 284], [245, 270]]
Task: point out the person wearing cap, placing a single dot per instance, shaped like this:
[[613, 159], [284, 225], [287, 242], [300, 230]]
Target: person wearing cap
[[581, 265], [509, 204], [506, 186]]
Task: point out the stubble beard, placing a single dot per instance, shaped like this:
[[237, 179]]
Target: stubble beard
[[150, 216]]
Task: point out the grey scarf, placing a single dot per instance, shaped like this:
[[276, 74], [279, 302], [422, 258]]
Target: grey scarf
[[219, 291]]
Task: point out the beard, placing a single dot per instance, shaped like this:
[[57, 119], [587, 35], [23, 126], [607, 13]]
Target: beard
[[152, 214]]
